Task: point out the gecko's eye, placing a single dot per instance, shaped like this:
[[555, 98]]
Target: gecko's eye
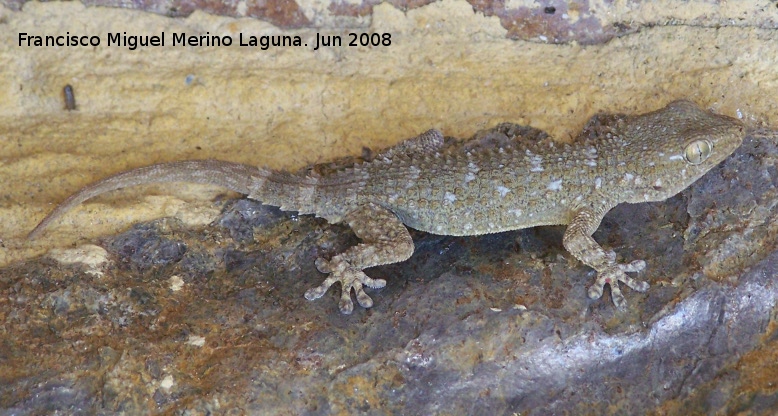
[[697, 151]]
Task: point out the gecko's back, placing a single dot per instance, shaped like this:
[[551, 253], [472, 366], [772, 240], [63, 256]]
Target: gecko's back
[[484, 186]]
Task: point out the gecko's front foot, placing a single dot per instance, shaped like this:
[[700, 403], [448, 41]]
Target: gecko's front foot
[[614, 274], [349, 277]]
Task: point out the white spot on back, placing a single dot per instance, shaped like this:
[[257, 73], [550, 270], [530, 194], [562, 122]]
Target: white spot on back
[[502, 190], [535, 162], [515, 211], [658, 183], [597, 182], [449, 197], [629, 176], [555, 185], [472, 169], [675, 157]]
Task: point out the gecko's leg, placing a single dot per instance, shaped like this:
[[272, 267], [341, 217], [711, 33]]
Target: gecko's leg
[[385, 240], [579, 242]]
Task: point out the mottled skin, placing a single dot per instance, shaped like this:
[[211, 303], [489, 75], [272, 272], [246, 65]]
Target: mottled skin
[[478, 187]]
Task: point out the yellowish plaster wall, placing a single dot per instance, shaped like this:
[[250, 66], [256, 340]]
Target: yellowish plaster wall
[[447, 67]]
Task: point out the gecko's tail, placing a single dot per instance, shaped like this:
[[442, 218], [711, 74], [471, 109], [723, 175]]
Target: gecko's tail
[[250, 180]]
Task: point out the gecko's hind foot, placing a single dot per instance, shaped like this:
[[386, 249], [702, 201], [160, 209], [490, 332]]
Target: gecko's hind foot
[[350, 278], [614, 274]]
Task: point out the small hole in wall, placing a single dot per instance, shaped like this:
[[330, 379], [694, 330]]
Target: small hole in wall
[[549, 10]]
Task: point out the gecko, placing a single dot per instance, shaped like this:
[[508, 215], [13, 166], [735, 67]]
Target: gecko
[[475, 188]]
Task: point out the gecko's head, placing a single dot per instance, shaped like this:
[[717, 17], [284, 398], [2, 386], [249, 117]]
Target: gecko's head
[[679, 144]]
